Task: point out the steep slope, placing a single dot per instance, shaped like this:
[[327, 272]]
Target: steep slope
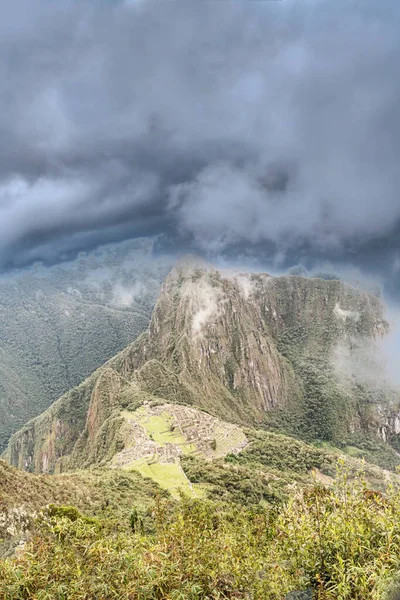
[[100, 492], [244, 345], [217, 462], [250, 349], [59, 324]]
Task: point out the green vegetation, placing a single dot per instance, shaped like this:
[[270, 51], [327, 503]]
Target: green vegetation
[[266, 469], [246, 485], [267, 360], [285, 454], [169, 476], [341, 542], [100, 492], [369, 449], [195, 507], [59, 324]]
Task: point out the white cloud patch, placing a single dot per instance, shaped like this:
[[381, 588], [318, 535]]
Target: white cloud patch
[[125, 295], [243, 280], [346, 314], [206, 302], [361, 362]]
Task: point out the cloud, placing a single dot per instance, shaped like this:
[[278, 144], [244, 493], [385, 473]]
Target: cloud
[[218, 124], [124, 295]]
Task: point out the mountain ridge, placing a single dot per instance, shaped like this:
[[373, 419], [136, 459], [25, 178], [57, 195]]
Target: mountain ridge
[[250, 349], [60, 323]]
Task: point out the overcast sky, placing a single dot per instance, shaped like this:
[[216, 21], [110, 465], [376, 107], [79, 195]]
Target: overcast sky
[[226, 125]]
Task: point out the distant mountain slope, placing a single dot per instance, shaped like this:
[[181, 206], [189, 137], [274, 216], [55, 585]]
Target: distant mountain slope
[[57, 325], [251, 349]]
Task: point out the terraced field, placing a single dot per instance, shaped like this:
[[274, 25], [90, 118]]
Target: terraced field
[[169, 476], [155, 437], [163, 429]]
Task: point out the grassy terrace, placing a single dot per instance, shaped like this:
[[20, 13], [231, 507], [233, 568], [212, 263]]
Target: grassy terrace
[[169, 476], [161, 429]]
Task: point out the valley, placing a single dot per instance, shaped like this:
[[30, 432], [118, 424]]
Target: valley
[[232, 401], [58, 324]]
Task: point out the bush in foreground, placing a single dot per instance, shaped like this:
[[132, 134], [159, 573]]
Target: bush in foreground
[[342, 542]]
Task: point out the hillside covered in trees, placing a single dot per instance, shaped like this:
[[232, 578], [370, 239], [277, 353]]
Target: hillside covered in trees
[[234, 450], [59, 324]]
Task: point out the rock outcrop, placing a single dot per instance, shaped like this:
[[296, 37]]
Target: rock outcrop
[[251, 349]]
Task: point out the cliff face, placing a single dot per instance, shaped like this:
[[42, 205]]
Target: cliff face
[[248, 348]]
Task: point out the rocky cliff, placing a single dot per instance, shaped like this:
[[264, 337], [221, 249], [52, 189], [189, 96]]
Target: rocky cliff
[[250, 349]]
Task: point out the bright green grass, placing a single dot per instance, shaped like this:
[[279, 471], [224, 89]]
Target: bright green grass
[[169, 476], [158, 428]]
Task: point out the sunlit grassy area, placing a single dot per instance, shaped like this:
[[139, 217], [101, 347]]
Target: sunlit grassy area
[[160, 429], [169, 476]]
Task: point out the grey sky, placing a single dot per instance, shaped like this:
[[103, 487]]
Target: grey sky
[[228, 123]]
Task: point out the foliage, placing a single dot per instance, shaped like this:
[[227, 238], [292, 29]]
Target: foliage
[[234, 483], [369, 449], [285, 454], [342, 542], [99, 492], [59, 324]]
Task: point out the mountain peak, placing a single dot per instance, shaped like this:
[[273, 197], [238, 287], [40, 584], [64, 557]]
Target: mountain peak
[[248, 348]]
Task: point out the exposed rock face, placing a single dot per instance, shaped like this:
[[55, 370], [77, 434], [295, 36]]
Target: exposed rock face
[[251, 349]]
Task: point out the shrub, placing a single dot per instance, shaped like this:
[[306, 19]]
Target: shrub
[[343, 543]]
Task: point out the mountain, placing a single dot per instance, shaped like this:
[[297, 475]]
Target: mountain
[[177, 469], [58, 324], [223, 347]]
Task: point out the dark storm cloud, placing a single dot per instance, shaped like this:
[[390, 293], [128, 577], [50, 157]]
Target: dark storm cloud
[[228, 123]]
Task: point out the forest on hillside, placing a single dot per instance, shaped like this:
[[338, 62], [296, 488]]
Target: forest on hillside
[[58, 324]]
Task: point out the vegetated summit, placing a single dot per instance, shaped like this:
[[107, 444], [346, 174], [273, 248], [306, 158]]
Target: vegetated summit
[[278, 353]]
